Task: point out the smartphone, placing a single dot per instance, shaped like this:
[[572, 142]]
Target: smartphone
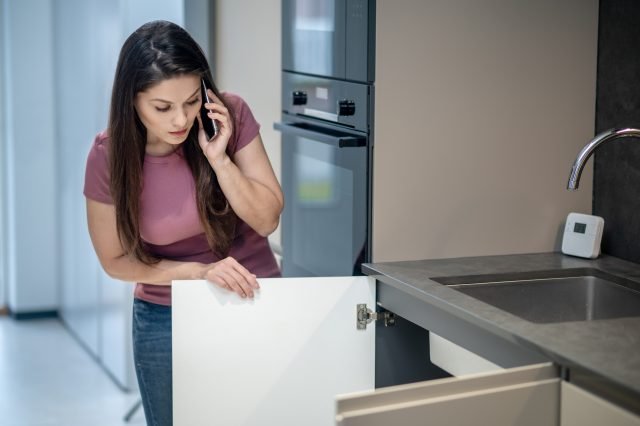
[[210, 126]]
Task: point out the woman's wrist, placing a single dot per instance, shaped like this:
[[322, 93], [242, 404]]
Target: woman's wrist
[[220, 162], [198, 270]]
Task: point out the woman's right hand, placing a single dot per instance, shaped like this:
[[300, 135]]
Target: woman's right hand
[[231, 275]]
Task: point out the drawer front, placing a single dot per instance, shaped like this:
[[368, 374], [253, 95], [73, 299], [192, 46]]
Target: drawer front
[[522, 395]]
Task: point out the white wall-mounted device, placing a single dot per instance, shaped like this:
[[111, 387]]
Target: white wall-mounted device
[[582, 235]]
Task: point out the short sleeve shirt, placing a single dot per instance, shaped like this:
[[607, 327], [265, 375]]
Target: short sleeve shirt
[[169, 221]]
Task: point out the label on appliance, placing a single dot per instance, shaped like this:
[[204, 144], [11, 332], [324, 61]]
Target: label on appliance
[[322, 93]]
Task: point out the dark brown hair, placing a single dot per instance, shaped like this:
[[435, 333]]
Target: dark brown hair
[[155, 52]]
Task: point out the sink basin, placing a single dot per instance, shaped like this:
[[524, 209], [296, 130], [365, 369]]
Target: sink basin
[[586, 296]]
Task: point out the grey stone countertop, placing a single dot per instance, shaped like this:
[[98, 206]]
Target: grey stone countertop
[[605, 352]]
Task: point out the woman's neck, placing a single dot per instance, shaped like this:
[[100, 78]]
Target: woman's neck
[[160, 149]]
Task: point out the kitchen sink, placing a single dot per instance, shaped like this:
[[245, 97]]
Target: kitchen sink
[[554, 296]]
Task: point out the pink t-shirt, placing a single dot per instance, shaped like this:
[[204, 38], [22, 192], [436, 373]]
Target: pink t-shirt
[[169, 221]]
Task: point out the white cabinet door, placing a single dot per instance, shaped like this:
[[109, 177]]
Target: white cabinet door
[[279, 359], [582, 408], [523, 396]]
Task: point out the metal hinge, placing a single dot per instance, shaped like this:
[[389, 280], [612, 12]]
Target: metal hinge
[[365, 315]]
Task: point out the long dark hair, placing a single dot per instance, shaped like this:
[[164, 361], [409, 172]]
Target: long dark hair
[[155, 52]]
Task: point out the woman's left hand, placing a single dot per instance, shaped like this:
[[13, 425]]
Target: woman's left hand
[[215, 148]]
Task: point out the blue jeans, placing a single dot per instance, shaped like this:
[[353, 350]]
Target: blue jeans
[[152, 357]]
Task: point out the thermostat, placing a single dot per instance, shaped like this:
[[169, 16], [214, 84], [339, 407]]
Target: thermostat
[[582, 235]]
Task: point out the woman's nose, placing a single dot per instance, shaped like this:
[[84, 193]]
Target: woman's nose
[[180, 119]]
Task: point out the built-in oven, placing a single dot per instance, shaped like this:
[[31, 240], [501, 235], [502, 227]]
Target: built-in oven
[[330, 38], [327, 96], [326, 166]]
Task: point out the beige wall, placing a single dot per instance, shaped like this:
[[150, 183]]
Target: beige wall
[[481, 108], [247, 34]]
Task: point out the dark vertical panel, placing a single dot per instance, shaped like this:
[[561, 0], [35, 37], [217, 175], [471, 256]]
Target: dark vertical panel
[[359, 34], [616, 191], [402, 355]]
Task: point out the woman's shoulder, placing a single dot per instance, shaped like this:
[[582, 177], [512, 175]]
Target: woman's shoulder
[[236, 102], [247, 127], [232, 98], [99, 151], [102, 139], [96, 183]]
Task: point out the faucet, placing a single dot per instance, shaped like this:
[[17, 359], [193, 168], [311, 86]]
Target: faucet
[[585, 153]]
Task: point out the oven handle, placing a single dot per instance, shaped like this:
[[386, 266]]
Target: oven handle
[[341, 141]]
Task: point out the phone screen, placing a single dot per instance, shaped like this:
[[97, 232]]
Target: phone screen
[[210, 126]]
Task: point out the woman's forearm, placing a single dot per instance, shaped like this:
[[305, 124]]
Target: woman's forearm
[[125, 268], [253, 202]]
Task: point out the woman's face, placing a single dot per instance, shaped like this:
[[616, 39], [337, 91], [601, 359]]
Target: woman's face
[[168, 110]]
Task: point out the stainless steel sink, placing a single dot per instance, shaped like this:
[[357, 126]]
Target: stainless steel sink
[[554, 296]]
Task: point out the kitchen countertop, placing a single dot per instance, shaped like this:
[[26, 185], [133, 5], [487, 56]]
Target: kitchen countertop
[[602, 355]]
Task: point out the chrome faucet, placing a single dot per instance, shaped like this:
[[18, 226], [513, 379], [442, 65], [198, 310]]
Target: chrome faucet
[[585, 153]]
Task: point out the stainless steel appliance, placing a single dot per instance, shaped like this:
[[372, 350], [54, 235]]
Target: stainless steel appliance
[[331, 38], [327, 99]]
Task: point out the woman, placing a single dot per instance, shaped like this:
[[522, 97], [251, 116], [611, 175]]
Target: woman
[[166, 203]]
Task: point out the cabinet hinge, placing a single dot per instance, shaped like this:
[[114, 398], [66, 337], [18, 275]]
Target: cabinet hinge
[[365, 315]]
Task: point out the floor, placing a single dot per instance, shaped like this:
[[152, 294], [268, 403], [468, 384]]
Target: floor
[[48, 379]]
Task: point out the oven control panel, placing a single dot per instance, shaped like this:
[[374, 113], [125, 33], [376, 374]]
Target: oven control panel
[[339, 102]]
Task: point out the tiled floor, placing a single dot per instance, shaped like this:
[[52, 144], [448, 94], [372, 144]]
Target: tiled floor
[[48, 379]]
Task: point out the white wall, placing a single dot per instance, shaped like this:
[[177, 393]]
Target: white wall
[[91, 33], [247, 62], [29, 147], [481, 107]]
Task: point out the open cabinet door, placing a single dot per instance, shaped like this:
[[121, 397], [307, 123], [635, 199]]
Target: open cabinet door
[[279, 359]]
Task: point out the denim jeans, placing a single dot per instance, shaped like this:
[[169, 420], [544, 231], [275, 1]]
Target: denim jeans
[[152, 357]]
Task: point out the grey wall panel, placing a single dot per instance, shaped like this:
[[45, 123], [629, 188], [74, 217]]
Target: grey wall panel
[[616, 186]]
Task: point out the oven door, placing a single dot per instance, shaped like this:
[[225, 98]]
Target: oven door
[[325, 219], [331, 38]]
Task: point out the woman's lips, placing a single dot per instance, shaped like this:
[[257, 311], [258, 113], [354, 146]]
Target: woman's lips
[[179, 133]]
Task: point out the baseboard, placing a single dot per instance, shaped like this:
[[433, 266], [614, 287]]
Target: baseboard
[[33, 315]]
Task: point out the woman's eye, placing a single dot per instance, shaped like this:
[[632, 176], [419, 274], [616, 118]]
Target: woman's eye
[[193, 102], [165, 109]]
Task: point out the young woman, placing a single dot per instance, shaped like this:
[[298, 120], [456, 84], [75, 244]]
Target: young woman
[[165, 202]]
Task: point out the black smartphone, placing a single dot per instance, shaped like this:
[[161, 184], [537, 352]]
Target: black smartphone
[[210, 126]]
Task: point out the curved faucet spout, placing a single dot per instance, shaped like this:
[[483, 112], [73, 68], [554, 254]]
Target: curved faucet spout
[[585, 153]]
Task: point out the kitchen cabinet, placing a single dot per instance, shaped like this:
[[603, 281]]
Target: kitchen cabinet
[[283, 357], [518, 396], [582, 408]]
